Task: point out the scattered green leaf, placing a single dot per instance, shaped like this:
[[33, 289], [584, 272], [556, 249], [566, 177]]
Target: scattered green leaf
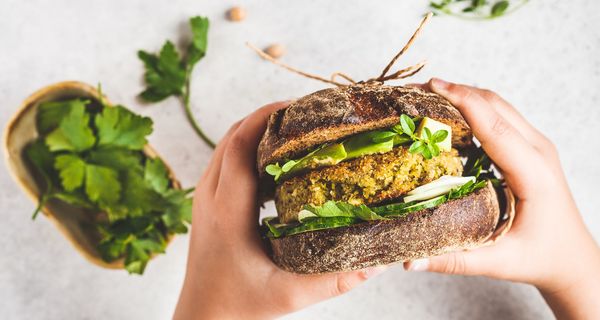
[[169, 74], [476, 9]]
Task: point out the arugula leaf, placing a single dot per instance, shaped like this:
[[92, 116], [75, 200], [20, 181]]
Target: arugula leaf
[[275, 170], [334, 214], [71, 170], [329, 209], [466, 189], [73, 132], [343, 209], [120, 127], [360, 211], [479, 165], [274, 231], [313, 224]]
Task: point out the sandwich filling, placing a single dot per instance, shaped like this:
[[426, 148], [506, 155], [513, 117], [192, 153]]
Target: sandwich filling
[[376, 175], [369, 180]]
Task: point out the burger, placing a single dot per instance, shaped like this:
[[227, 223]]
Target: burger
[[370, 174]]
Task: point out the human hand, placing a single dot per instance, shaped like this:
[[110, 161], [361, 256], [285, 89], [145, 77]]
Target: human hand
[[229, 274], [548, 245]]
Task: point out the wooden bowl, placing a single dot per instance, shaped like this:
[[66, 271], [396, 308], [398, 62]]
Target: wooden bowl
[[76, 224]]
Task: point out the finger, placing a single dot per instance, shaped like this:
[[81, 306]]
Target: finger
[[238, 170], [479, 262], [422, 86], [305, 290], [502, 142], [529, 132], [210, 177], [512, 115]]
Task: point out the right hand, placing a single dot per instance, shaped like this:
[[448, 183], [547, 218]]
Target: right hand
[[548, 245]]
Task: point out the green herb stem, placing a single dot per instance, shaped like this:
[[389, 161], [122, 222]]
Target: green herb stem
[[190, 116]]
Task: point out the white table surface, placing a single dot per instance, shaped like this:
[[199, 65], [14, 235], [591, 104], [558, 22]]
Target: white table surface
[[544, 58]]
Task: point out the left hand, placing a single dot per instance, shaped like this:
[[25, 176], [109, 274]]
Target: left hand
[[229, 274]]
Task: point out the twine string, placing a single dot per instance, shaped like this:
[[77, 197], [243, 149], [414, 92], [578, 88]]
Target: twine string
[[383, 77]]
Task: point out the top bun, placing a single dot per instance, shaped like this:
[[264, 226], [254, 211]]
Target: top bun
[[332, 114]]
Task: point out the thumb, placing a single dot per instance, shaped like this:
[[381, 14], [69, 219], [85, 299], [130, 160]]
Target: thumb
[[478, 262], [335, 284], [310, 289]]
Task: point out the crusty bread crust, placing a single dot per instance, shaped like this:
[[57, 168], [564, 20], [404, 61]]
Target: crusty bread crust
[[331, 114], [459, 224]]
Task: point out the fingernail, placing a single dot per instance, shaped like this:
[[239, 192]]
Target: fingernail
[[418, 265], [439, 84], [374, 271]]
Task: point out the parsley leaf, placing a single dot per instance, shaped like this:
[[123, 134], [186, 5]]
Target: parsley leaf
[[155, 172], [167, 74], [73, 132], [102, 184], [116, 158], [138, 198], [179, 210], [50, 113], [71, 170], [120, 127], [197, 49]]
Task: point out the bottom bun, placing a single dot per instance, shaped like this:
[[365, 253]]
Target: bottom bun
[[460, 224]]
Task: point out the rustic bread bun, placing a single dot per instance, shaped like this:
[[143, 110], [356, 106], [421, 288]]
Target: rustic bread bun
[[459, 224], [335, 113]]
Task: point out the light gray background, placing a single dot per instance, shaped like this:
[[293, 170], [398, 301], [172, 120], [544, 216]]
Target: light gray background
[[544, 58]]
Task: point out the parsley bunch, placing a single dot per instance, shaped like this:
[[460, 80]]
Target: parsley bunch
[[476, 9], [89, 155], [167, 74]]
